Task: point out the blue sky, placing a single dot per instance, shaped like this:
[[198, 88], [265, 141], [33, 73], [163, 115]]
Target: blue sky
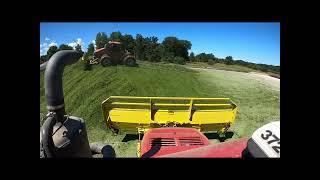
[[253, 42]]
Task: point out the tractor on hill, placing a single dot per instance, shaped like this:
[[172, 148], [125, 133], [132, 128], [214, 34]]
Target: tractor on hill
[[112, 54]]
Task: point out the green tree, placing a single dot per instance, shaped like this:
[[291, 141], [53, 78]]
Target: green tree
[[101, 40], [170, 44], [78, 48], [229, 60], [128, 43], [65, 47], [90, 49], [211, 56], [152, 53], [43, 59], [51, 51], [168, 57], [202, 57], [211, 61], [140, 47], [183, 48], [191, 57], [116, 36], [177, 47], [161, 50], [179, 60]]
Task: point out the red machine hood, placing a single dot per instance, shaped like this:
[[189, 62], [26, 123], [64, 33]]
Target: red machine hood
[[187, 142]]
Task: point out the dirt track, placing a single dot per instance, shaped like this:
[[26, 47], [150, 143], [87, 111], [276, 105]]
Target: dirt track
[[272, 82], [266, 79]]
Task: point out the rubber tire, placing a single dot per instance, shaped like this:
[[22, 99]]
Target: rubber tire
[[106, 61], [131, 62]]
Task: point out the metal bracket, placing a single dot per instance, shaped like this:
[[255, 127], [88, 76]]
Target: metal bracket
[[191, 110], [152, 112]]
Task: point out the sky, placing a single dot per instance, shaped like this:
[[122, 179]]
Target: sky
[[252, 42]]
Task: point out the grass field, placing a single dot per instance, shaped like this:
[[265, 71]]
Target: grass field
[[85, 90], [233, 67]]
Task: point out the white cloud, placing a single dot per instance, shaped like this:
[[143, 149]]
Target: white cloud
[[53, 44], [45, 46], [76, 42], [73, 44], [80, 40]]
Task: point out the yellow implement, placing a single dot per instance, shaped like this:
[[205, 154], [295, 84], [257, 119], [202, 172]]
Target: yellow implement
[[139, 114]]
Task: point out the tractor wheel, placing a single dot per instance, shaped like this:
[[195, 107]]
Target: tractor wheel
[[131, 62], [106, 61]]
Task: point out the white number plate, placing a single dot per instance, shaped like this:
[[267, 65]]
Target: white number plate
[[268, 139]]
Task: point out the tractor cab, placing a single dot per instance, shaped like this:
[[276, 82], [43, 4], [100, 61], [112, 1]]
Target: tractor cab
[[111, 47], [112, 54], [114, 46], [114, 49]]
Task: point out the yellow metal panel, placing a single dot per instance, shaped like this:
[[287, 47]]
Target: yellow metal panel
[[133, 113]]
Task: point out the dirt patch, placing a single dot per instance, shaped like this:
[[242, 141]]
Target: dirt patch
[[265, 79]]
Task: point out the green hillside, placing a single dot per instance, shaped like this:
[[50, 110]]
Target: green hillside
[[85, 90]]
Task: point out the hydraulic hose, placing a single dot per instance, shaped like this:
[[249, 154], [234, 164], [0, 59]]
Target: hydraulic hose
[[53, 79]]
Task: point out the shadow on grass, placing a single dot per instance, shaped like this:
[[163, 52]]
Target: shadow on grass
[[135, 65], [214, 135], [131, 137], [87, 67]]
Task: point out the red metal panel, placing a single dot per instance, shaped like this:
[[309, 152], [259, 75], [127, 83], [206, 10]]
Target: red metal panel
[[162, 141], [114, 42], [230, 149], [98, 50]]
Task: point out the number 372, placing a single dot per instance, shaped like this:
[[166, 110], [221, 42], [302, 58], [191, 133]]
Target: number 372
[[272, 138]]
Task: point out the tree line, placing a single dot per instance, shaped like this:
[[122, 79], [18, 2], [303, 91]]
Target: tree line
[[211, 59], [171, 49], [53, 49]]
